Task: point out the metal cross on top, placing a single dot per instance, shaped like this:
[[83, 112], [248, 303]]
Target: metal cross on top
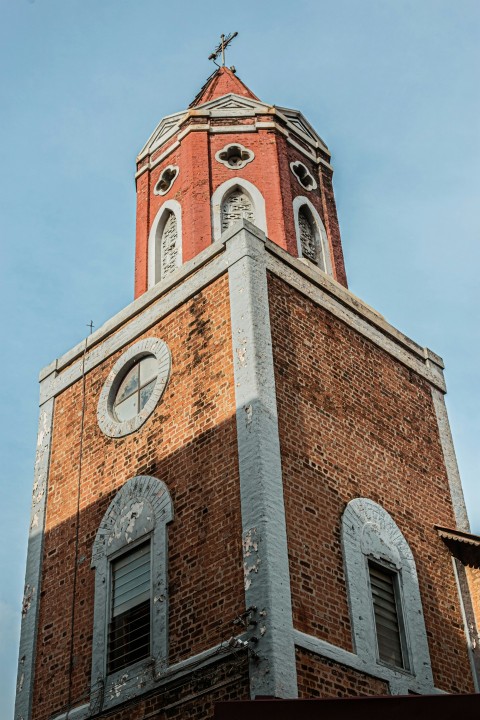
[[220, 49]]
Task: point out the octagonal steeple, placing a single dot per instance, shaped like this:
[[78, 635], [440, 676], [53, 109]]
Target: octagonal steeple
[[228, 156]]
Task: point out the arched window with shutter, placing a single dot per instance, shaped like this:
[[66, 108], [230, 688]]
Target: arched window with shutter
[[388, 626], [130, 626]]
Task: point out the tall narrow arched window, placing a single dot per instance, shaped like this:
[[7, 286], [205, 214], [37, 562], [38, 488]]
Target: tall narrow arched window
[[236, 205], [169, 246], [165, 242], [308, 236], [312, 242]]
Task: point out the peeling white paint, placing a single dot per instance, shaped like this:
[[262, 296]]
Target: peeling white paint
[[251, 562], [117, 687], [125, 524], [249, 543], [27, 599], [242, 355]]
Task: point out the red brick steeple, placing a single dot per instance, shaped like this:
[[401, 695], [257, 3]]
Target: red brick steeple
[[222, 82], [231, 156]]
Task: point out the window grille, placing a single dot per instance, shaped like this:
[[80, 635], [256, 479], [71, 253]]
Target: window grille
[[236, 206], [307, 236], [169, 246], [388, 615], [129, 627]]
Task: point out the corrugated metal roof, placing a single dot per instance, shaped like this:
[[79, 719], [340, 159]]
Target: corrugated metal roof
[[464, 546]]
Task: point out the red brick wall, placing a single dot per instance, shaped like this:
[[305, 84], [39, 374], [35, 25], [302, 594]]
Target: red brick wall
[[320, 677], [354, 422], [190, 443]]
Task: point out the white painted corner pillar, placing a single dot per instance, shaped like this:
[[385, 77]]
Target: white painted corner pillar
[[33, 578], [461, 520], [446, 441], [265, 552]]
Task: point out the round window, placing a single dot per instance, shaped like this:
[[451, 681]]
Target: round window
[[133, 388], [136, 388]]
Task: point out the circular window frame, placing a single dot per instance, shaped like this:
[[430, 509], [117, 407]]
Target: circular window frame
[[107, 421]]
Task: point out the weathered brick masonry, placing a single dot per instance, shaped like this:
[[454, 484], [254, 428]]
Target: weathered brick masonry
[[354, 422], [190, 443]]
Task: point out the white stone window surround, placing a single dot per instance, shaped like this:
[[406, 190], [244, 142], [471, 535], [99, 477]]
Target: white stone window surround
[[370, 533], [322, 239], [107, 421], [141, 510], [155, 238], [225, 189]]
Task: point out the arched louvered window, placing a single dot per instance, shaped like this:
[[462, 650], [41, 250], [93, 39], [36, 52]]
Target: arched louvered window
[[169, 246], [388, 626], [237, 205], [130, 626]]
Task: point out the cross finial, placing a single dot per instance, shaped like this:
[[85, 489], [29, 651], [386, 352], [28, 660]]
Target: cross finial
[[225, 40], [91, 326]]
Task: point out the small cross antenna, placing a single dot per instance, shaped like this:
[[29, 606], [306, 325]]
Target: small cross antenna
[[225, 41], [91, 326]]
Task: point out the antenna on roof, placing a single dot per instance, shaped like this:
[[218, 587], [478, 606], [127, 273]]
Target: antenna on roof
[[221, 47]]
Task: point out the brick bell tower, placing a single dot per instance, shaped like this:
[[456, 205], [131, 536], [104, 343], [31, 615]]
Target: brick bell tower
[[245, 482]]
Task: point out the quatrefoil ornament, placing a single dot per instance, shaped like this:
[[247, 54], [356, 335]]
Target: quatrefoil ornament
[[234, 156]]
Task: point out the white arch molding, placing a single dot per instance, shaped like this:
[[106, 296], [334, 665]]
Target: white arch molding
[[221, 193], [300, 201], [155, 236], [370, 533], [141, 509]]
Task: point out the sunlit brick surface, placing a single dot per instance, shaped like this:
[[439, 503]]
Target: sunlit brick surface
[[354, 422]]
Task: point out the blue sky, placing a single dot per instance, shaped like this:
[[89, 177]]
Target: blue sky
[[392, 87]]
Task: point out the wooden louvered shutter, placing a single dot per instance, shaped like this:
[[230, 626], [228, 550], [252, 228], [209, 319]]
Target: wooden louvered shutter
[[129, 630], [387, 615]]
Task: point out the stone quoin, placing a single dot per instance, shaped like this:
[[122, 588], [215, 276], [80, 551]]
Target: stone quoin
[[245, 482]]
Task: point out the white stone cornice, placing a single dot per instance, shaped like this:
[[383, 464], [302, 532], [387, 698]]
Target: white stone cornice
[[285, 120], [206, 267]]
